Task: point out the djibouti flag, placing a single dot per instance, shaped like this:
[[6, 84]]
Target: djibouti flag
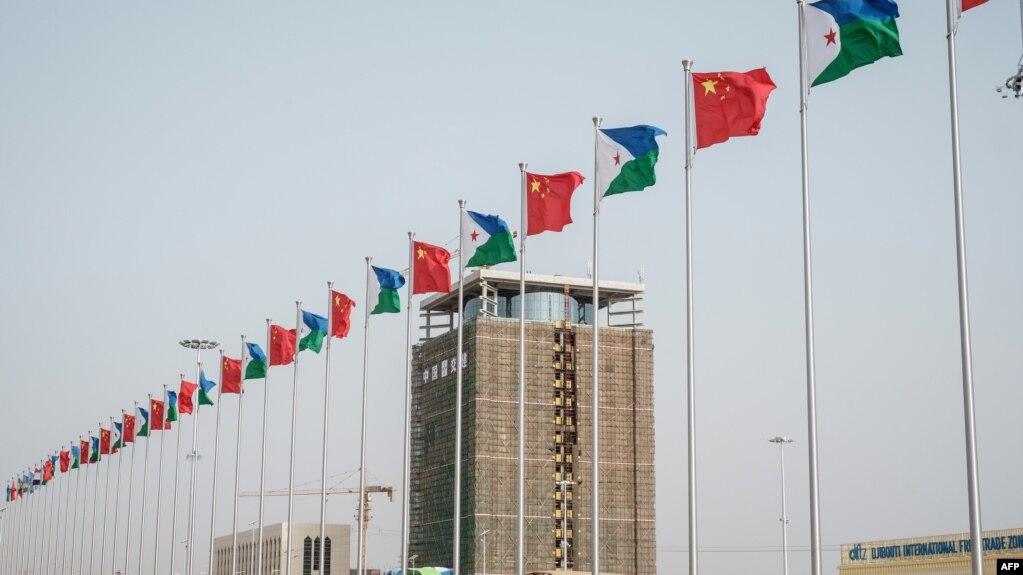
[[144, 428], [842, 35], [312, 331], [486, 240], [390, 282], [116, 434], [626, 158]]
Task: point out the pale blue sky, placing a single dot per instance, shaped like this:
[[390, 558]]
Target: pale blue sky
[[186, 170]]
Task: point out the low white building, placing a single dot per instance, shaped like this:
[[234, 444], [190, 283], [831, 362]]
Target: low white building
[[305, 551]]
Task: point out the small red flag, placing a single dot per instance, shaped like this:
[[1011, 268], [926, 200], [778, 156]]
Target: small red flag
[[282, 345], [129, 429], [549, 201], [65, 461], [104, 441], [340, 314], [967, 4], [430, 269], [730, 104], [156, 416], [84, 448], [185, 404], [48, 470], [230, 375]]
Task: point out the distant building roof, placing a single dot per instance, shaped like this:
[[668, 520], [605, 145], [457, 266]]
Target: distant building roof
[[507, 282]]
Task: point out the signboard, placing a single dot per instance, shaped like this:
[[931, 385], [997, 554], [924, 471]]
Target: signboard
[[1006, 541]]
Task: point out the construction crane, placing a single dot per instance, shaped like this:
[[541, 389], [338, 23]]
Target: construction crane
[[365, 507]]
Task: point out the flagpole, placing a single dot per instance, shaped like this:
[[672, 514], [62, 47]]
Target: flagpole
[[85, 509], [22, 524], [520, 548], [159, 485], [117, 496], [262, 455], [595, 487], [687, 65], [8, 527], [95, 493], [22, 514], [360, 561], [291, 452], [811, 378], [42, 522], [406, 448], [60, 533], [55, 502], [131, 486], [106, 496], [68, 499], [30, 516], [965, 343], [326, 416], [174, 496], [145, 481], [39, 544], [26, 524], [457, 547], [53, 510], [44, 536], [197, 408], [237, 462], [14, 554], [31, 559], [74, 520], [44, 504], [216, 455]]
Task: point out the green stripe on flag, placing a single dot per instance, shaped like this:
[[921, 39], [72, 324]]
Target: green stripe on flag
[[387, 302]]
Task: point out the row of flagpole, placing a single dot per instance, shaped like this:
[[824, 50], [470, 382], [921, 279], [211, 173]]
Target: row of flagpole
[[953, 11]]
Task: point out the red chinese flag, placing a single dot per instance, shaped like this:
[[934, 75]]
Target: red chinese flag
[[128, 436], [185, 404], [729, 104], [430, 270], [230, 375], [156, 416], [65, 461], [967, 4], [84, 448], [104, 441], [282, 345], [47, 470], [340, 314], [549, 201]]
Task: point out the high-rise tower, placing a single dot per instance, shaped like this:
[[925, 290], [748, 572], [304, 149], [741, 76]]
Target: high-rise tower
[[559, 314]]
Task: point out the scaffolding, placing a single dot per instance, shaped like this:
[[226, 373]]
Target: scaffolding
[[558, 449]]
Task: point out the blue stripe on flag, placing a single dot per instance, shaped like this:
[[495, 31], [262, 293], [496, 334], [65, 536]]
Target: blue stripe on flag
[[638, 140], [493, 225]]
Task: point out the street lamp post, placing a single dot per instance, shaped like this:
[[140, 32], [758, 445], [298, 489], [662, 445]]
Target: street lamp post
[[483, 536], [412, 561], [198, 345], [782, 441]]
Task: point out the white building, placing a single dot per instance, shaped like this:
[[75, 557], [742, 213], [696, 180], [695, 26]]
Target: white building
[[305, 552]]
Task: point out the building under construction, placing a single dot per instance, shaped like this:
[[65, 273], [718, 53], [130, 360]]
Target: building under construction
[[559, 455]]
